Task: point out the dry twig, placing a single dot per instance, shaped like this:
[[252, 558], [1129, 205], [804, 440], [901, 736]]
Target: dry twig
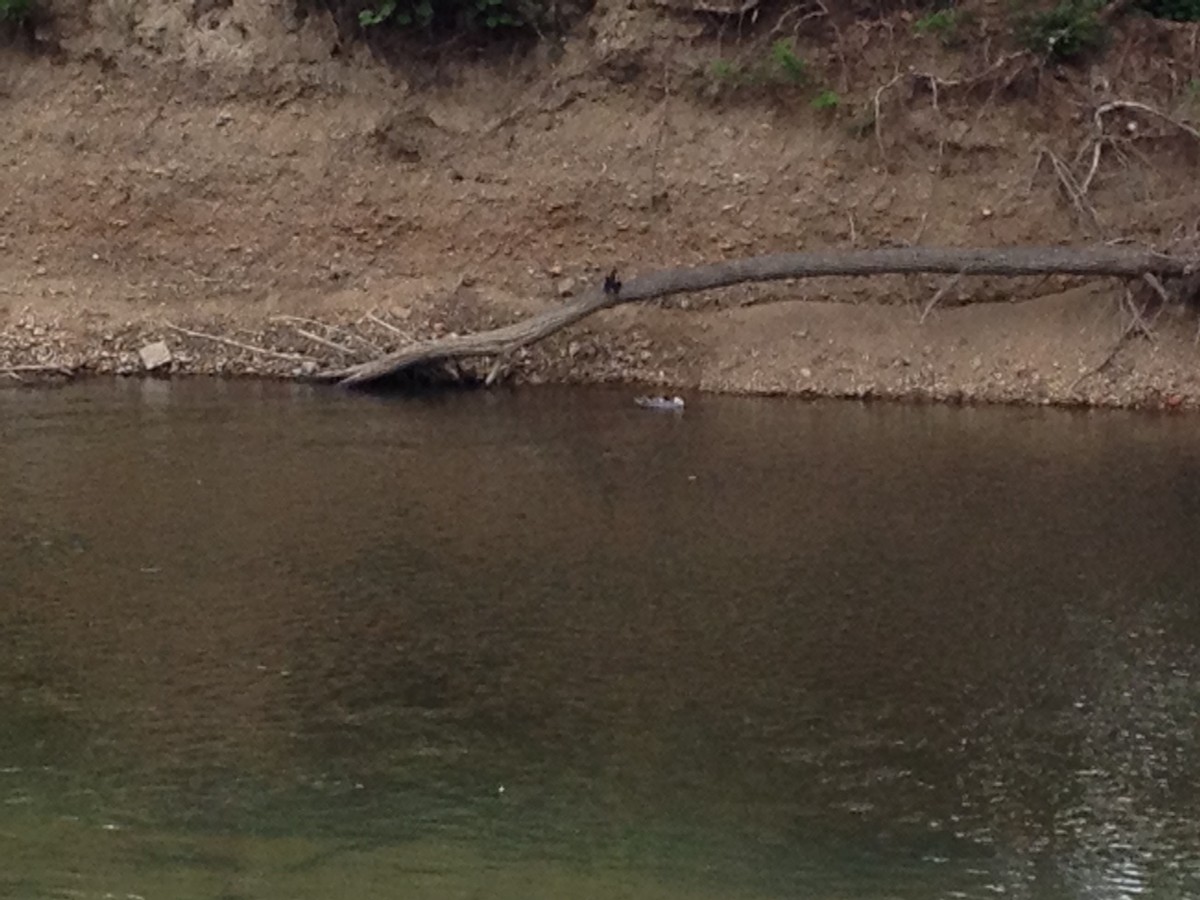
[[941, 292], [387, 326], [32, 369], [333, 345], [250, 348]]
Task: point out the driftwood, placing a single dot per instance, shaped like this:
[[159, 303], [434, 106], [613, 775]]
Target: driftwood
[[1097, 261]]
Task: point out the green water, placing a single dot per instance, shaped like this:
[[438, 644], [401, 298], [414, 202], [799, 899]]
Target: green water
[[267, 641]]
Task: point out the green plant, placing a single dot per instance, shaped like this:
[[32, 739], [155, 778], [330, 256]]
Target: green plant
[[787, 64], [939, 22], [1179, 10], [1067, 32], [826, 100], [494, 14], [15, 10], [426, 14], [950, 25], [723, 70]]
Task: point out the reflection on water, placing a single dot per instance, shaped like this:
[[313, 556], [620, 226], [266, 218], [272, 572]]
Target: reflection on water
[[262, 641]]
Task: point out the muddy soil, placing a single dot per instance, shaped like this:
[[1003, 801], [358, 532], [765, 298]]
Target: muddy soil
[[238, 182]]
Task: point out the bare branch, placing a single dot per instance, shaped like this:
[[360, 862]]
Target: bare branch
[[250, 348]]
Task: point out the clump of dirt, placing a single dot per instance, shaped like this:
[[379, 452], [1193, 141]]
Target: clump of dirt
[[237, 169]]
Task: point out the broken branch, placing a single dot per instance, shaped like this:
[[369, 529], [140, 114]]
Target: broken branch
[[294, 357]]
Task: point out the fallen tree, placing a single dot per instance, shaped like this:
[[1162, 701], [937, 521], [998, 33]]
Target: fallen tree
[[1103, 260]]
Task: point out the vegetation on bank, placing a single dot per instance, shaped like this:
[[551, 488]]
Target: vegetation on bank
[[15, 10], [1061, 30], [1058, 30]]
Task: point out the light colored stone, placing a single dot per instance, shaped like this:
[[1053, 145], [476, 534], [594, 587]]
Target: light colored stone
[[155, 356]]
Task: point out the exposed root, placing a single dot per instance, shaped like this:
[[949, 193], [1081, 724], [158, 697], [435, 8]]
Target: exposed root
[[876, 103], [1073, 190]]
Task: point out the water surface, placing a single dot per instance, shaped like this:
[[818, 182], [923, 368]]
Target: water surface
[[270, 641]]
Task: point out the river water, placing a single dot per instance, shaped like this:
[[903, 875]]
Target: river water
[[264, 641]]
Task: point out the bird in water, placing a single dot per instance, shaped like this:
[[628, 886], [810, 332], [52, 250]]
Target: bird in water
[[673, 404]]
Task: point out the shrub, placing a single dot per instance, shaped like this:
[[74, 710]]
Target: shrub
[[939, 22], [949, 25], [15, 10], [448, 15], [1067, 32], [780, 67], [788, 65], [826, 100], [1179, 10]]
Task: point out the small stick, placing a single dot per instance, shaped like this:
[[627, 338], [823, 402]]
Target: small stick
[[15, 371], [337, 329], [941, 292], [1136, 320], [319, 324], [920, 229], [388, 326], [293, 357], [494, 373], [341, 348]]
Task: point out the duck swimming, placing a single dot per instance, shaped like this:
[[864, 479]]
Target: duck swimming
[[668, 403]]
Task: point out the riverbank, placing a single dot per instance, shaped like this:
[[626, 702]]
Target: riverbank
[[249, 178]]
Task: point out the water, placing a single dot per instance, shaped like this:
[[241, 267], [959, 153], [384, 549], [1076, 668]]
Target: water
[[266, 641]]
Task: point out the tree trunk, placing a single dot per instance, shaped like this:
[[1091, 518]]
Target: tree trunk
[[1012, 261]]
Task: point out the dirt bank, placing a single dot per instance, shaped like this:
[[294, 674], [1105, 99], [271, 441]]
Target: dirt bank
[[237, 170]]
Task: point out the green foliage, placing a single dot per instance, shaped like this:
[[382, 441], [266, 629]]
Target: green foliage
[[15, 10], [780, 66], [495, 14], [939, 22], [724, 70], [826, 100], [788, 65], [947, 25], [1067, 32], [1179, 10], [426, 14]]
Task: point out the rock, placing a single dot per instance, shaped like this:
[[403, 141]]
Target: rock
[[566, 287], [155, 356]]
